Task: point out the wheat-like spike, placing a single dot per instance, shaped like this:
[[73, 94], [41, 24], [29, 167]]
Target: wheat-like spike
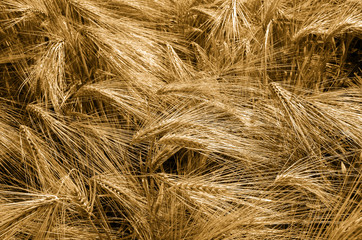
[[181, 70], [82, 201], [27, 208], [26, 132], [114, 183], [41, 113], [307, 184], [207, 88], [109, 186], [182, 141], [40, 164], [133, 203], [193, 186], [293, 107], [126, 102], [46, 199], [164, 126], [201, 188], [203, 95], [286, 98], [225, 194], [51, 121], [162, 154], [313, 123], [76, 197], [195, 119], [180, 88]]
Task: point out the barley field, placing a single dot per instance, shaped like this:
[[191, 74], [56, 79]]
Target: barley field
[[181, 119]]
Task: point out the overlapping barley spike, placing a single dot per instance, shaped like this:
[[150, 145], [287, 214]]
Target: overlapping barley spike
[[27, 134], [312, 124], [183, 140], [164, 126], [82, 201], [208, 188], [163, 153], [18, 213], [127, 197], [38, 159], [41, 113], [117, 96]]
